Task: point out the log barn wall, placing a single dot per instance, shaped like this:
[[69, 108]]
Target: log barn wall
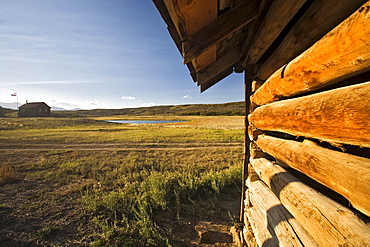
[[306, 180]]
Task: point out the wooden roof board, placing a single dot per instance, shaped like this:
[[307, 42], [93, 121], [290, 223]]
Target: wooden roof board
[[173, 33], [267, 33], [191, 30], [218, 29]]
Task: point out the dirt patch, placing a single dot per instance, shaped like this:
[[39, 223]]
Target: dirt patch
[[41, 214], [37, 214], [209, 225], [41, 202]]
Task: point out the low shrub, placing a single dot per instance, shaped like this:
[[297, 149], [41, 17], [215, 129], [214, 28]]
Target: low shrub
[[127, 213]]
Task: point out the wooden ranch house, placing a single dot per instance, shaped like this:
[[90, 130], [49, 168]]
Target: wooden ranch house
[[34, 109], [306, 180]]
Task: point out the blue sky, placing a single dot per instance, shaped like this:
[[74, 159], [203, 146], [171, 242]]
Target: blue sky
[[92, 54]]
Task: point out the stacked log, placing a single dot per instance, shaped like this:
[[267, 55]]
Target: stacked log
[[308, 180]]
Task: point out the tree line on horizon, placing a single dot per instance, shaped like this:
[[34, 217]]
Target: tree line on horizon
[[225, 109]]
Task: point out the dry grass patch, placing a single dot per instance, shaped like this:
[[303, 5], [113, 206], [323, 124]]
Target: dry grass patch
[[145, 192], [7, 174]]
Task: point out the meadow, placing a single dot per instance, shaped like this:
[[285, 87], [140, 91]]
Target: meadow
[[85, 182]]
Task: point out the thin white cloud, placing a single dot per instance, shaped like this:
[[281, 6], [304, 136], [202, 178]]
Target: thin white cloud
[[65, 104], [8, 91], [187, 97], [72, 105], [46, 82], [17, 37], [149, 104], [95, 103], [23, 59], [128, 97]]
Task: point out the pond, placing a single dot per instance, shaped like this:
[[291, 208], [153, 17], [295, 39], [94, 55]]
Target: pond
[[144, 121]]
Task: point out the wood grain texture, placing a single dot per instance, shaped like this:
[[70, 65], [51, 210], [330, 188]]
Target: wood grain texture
[[252, 30], [317, 21], [224, 4], [277, 17], [260, 227], [339, 116], [218, 66], [218, 29], [248, 235], [248, 77], [160, 5], [347, 174], [329, 223], [280, 223], [188, 18], [200, 13], [177, 13], [209, 83], [341, 54]]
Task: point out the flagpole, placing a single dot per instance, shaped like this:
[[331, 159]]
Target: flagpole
[[16, 94]]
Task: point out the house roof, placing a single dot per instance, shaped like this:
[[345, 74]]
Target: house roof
[[30, 105], [219, 37]]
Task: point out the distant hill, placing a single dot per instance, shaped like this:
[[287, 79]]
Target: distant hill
[[12, 106], [226, 109]]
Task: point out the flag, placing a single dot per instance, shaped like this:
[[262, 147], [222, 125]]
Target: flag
[[14, 94]]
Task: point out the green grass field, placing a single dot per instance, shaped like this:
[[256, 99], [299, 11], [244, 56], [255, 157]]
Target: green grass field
[[83, 181]]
